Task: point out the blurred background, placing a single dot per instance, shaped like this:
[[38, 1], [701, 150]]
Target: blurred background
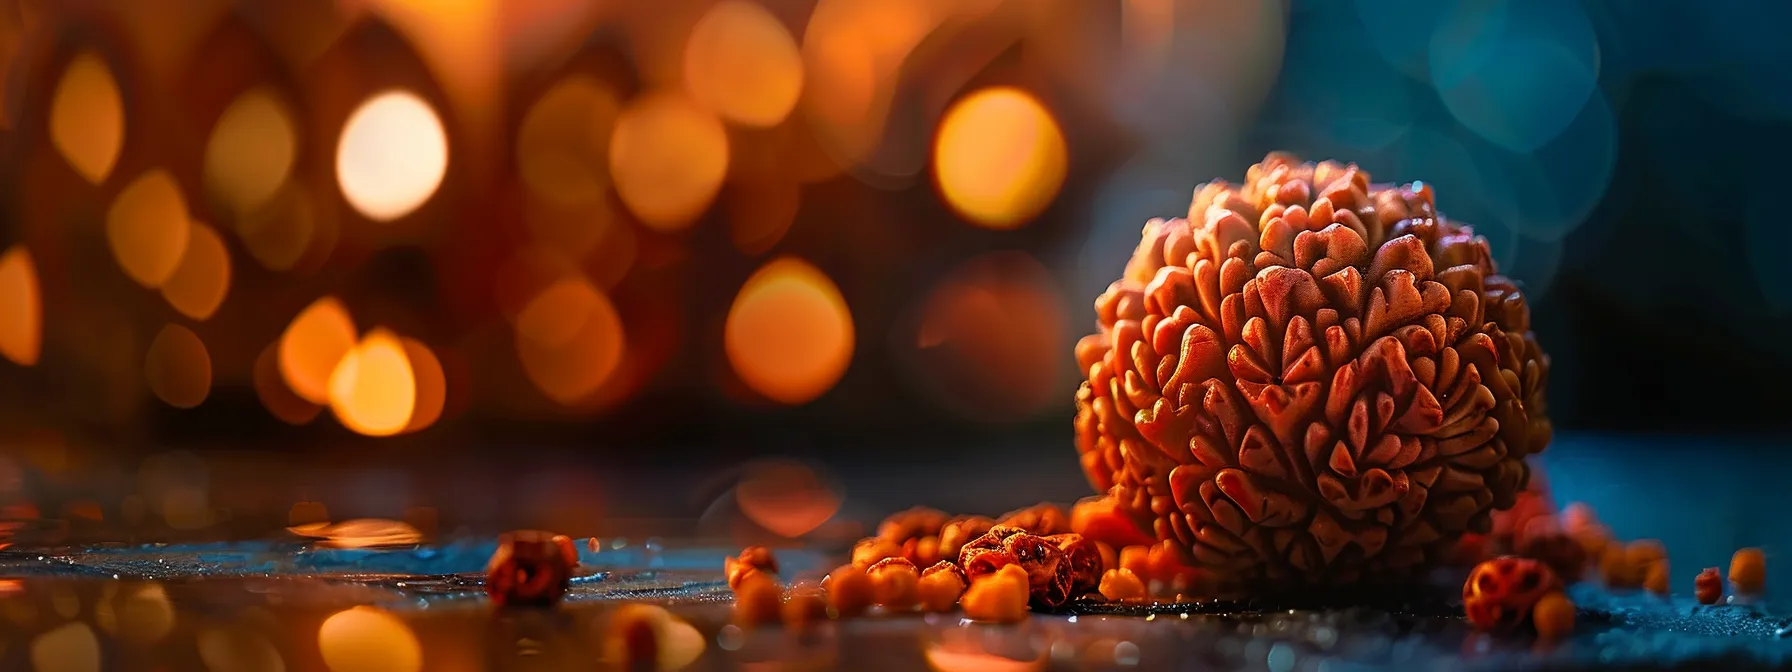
[[375, 251]]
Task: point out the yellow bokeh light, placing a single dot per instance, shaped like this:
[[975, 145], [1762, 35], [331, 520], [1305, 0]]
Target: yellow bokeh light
[[139, 614], [21, 308], [312, 345], [238, 649], [787, 497], [667, 159], [373, 390], [563, 146], [71, 647], [250, 153], [87, 118], [741, 62], [789, 335], [392, 155], [570, 340], [147, 228], [999, 157], [202, 279], [432, 385], [178, 368], [275, 395], [366, 639]]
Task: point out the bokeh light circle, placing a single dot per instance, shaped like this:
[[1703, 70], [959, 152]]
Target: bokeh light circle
[[993, 339], [741, 62], [431, 384], [570, 340], [668, 158], [999, 158], [373, 389], [392, 155], [178, 368], [70, 647], [87, 118], [366, 639], [21, 307], [202, 279], [312, 345], [250, 152], [1522, 72], [275, 396], [789, 335], [562, 147], [147, 228]]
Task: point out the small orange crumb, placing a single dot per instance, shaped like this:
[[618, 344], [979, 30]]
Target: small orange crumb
[[849, 591], [894, 584], [757, 600], [805, 604], [1122, 584], [752, 559], [1137, 559], [1553, 616], [1748, 571], [1000, 597], [941, 586], [1614, 565], [1656, 581], [872, 549], [1708, 586], [923, 551]]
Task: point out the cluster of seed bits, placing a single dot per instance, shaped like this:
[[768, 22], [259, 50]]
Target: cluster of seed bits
[[994, 569], [1507, 593]]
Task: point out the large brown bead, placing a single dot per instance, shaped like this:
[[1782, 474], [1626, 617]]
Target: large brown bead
[[1311, 380], [530, 568]]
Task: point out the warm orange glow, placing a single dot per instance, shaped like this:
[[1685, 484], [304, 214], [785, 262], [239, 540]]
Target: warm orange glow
[[992, 338], [999, 157], [570, 340], [677, 642], [251, 149], [742, 63], [138, 614], [786, 497], [312, 346], [367, 639], [373, 390], [21, 308], [432, 385], [563, 146], [366, 533], [147, 228], [280, 233], [238, 649], [71, 647], [87, 118], [178, 368], [392, 155], [275, 395], [789, 335], [202, 279], [667, 159]]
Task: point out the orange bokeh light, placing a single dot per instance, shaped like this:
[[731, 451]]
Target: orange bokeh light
[[999, 158], [147, 228], [993, 338], [392, 155], [312, 345], [178, 368], [21, 308], [563, 146], [668, 158], [202, 279], [789, 335], [741, 62], [373, 390], [251, 149], [368, 639], [87, 118], [279, 233], [432, 385], [788, 498], [570, 340], [275, 395]]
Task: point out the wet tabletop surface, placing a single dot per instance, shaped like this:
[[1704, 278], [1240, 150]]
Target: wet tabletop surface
[[292, 605]]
